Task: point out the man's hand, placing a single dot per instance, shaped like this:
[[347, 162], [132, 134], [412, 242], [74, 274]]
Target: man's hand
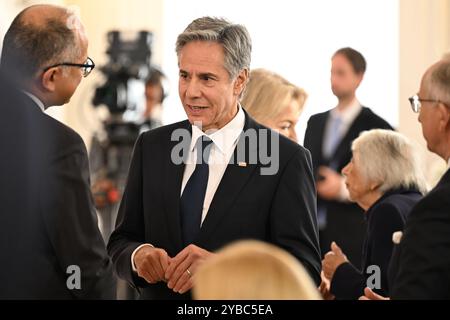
[[333, 259], [330, 187], [183, 266], [324, 288], [151, 263], [370, 295]]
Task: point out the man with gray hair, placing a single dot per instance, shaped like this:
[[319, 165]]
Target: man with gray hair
[[182, 204], [422, 262], [50, 243]]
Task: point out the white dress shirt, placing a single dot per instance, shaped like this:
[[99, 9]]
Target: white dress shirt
[[222, 149], [347, 115], [36, 100]]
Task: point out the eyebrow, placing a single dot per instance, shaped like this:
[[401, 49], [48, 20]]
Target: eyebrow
[[208, 74], [203, 74], [291, 122]]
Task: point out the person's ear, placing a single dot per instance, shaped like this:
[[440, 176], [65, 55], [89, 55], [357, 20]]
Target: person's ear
[[241, 81], [359, 78], [444, 117], [49, 78]]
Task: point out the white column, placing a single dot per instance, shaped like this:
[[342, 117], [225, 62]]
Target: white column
[[424, 39]]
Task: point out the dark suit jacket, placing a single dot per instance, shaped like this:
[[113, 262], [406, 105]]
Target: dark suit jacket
[[279, 208], [386, 216], [47, 218], [423, 270], [345, 221]]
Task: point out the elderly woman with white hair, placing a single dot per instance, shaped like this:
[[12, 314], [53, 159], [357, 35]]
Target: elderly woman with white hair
[[384, 179]]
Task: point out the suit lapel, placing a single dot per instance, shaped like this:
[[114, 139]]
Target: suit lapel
[[322, 121], [172, 189], [234, 179]]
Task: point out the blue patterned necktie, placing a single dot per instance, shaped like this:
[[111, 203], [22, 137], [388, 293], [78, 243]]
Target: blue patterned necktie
[[191, 203], [333, 136]]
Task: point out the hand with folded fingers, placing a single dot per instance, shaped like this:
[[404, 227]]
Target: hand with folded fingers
[[183, 266], [333, 259], [370, 295], [151, 264]]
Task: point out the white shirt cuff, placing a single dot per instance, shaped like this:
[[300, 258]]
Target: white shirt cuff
[[133, 266]]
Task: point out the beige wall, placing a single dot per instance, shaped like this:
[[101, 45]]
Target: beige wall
[[424, 38], [99, 17]]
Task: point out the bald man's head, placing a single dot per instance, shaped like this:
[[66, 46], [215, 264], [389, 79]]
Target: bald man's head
[[38, 15], [436, 81], [41, 35]]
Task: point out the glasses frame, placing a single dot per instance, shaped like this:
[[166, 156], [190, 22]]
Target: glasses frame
[[86, 67], [416, 102]]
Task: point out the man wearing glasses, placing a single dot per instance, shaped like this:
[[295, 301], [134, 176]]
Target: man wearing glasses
[[421, 264], [50, 244]]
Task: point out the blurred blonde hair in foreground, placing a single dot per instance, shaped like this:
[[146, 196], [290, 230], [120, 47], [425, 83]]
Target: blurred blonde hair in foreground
[[253, 270]]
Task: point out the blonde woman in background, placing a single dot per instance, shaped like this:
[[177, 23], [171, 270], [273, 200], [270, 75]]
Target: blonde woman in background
[[253, 270], [274, 102]]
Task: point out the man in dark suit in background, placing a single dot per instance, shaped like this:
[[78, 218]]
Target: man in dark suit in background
[[50, 243], [421, 263], [328, 137], [177, 210]]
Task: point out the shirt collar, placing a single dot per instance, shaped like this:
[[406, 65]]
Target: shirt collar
[[224, 139], [36, 100], [348, 114]]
